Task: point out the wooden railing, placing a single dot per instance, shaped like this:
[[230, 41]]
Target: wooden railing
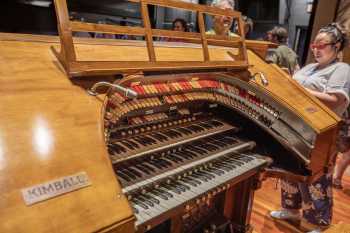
[[73, 67]]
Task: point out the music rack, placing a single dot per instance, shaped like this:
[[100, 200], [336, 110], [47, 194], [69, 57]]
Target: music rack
[[73, 67]]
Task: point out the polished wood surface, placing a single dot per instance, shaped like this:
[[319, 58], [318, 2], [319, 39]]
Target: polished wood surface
[[284, 88], [268, 198], [50, 128]]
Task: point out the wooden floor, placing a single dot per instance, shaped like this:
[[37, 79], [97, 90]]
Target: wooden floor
[[268, 198]]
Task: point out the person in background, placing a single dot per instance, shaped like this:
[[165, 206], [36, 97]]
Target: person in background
[[248, 26], [329, 81], [283, 56], [269, 36], [222, 24], [179, 25]]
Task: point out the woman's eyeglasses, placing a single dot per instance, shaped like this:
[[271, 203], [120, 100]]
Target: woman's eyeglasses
[[319, 46]]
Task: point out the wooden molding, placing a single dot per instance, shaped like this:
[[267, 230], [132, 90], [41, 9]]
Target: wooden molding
[[73, 67]]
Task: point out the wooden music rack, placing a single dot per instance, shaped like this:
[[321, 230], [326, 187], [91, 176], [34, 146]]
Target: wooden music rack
[[67, 55]]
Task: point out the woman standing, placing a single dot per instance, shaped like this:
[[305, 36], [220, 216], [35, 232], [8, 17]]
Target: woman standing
[[329, 81]]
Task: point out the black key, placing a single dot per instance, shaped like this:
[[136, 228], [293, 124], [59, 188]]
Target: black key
[[216, 123], [197, 150], [188, 181], [177, 134], [193, 129], [217, 142], [145, 200], [165, 162], [151, 140], [216, 166], [129, 174], [193, 180], [183, 185], [123, 176], [170, 135], [164, 135], [198, 176], [172, 188], [143, 168], [158, 194], [133, 143], [199, 128], [183, 155], [179, 186], [140, 141], [208, 147], [158, 137], [145, 140], [135, 172], [190, 153], [160, 163], [118, 148], [151, 198], [230, 167], [172, 158], [208, 176], [205, 125], [165, 192], [216, 171], [184, 130], [177, 157], [234, 161], [139, 203], [128, 145], [157, 165], [149, 166]]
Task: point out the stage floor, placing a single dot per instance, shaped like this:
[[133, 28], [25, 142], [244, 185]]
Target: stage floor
[[268, 198]]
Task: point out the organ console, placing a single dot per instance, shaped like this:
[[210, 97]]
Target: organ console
[[185, 155]]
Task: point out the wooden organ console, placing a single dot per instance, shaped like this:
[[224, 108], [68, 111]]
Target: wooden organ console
[[185, 155], [193, 142]]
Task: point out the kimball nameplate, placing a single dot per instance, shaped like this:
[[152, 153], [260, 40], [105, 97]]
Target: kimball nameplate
[[55, 188]]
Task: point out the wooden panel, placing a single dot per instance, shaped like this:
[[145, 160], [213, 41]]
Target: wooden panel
[[258, 47], [286, 90], [176, 34], [67, 26], [50, 128], [104, 28], [110, 67], [203, 38], [195, 37], [67, 47], [147, 25], [324, 152]]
